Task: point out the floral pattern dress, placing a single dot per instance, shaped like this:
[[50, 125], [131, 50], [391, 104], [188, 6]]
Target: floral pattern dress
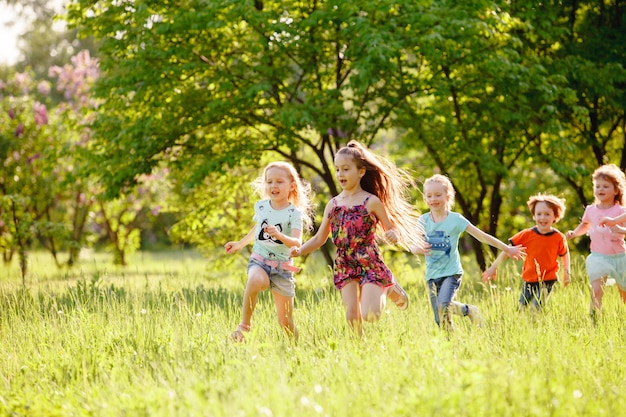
[[358, 255]]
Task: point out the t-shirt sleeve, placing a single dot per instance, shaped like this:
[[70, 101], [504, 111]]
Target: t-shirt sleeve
[[517, 238], [296, 221], [563, 248], [462, 222]]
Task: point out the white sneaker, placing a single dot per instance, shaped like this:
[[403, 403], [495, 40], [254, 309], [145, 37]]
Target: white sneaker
[[399, 297], [474, 315]]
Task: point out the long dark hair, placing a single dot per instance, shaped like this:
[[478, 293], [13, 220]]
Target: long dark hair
[[391, 185]]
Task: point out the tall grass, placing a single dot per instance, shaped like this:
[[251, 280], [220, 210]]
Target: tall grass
[[152, 340]]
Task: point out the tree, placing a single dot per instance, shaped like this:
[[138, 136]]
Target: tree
[[222, 82], [210, 85], [27, 181], [583, 43]]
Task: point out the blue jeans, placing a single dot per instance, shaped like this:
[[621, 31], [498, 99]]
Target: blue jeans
[[536, 293], [441, 292]]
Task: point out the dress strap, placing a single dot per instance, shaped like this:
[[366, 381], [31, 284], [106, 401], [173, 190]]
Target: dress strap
[[366, 198]]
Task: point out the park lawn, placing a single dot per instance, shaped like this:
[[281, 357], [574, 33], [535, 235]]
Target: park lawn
[[151, 339]]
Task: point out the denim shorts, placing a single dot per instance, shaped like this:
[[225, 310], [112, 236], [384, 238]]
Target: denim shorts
[[281, 281], [610, 266]]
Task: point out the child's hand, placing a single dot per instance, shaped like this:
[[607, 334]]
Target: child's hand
[[232, 247], [566, 279], [516, 252], [607, 221], [490, 274], [617, 229], [273, 231], [423, 249], [391, 236], [294, 251], [570, 235]]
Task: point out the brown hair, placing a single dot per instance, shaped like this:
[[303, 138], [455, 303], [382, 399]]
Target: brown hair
[[556, 204], [391, 185], [612, 173]]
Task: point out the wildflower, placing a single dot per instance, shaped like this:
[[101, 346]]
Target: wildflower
[[44, 88], [578, 394], [41, 114]]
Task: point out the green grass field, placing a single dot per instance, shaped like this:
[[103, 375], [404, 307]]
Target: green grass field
[[152, 340]]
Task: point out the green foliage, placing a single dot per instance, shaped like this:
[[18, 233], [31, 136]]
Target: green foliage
[[219, 211]]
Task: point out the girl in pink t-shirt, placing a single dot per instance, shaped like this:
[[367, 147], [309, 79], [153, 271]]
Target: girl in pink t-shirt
[[608, 249]]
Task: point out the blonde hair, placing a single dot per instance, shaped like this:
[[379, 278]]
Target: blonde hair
[[447, 185], [391, 185], [556, 204], [612, 173], [301, 196]]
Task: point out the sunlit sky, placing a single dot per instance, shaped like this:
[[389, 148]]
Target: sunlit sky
[[12, 25], [9, 34]]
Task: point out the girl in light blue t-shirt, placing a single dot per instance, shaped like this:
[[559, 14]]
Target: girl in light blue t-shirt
[[443, 263]]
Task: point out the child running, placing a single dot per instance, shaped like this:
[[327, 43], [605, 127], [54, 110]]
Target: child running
[[444, 271], [373, 194], [280, 217], [608, 250], [544, 246]]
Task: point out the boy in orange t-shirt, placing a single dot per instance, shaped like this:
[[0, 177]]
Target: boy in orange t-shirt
[[544, 246]]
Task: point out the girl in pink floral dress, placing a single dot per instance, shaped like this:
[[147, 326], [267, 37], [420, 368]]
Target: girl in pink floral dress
[[374, 193]]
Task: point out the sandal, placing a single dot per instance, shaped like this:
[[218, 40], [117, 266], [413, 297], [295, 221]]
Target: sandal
[[238, 335], [398, 296]]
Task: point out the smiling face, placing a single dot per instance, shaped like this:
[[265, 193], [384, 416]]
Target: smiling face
[[544, 217], [347, 172], [436, 196], [604, 192], [278, 185]]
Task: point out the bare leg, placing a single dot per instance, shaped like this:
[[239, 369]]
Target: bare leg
[[597, 292], [284, 312], [372, 302], [257, 282], [350, 296]]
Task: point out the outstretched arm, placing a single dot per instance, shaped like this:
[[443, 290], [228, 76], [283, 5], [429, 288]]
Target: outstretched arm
[[515, 252], [232, 247], [491, 272], [318, 239], [612, 221], [582, 228]]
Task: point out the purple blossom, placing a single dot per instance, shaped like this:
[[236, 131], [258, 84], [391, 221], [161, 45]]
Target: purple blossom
[[12, 114], [41, 114], [22, 80], [44, 88], [19, 130]]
